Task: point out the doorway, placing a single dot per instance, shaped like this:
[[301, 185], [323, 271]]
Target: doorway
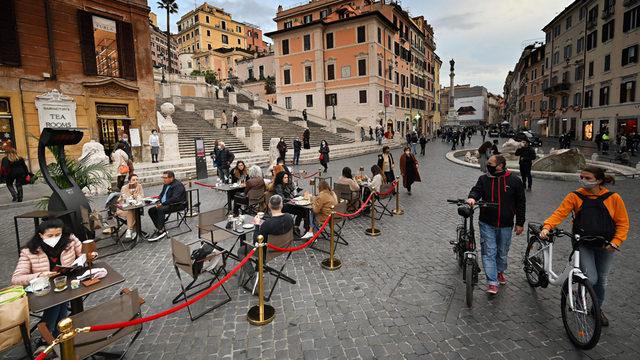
[[7, 137], [113, 121]]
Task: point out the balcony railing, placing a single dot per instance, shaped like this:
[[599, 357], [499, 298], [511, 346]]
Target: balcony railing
[[607, 13], [562, 87], [628, 3]]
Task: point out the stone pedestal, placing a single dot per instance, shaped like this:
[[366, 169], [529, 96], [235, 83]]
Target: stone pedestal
[[233, 98], [238, 132], [244, 106], [165, 91], [176, 100], [208, 115], [565, 160], [168, 133], [189, 107], [332, 126], [255, 133], [220, 94], [273, 150], [175, 89]]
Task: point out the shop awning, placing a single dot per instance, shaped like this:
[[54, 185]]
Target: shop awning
[[542, 122]]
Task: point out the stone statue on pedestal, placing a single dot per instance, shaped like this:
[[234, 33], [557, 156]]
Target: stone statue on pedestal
[[93, 154]]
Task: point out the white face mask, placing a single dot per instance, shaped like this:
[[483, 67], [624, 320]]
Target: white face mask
[[52, 241]]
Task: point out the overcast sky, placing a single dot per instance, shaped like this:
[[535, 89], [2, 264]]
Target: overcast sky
[[484, 37]]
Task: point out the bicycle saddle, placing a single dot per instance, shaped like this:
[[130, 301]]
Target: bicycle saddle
[[535, 228], [465, 211]]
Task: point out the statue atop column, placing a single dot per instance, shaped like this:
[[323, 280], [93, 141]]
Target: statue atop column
[[452, 63]]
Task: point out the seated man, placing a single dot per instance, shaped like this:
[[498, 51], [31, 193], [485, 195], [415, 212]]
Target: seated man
[[172, 198]]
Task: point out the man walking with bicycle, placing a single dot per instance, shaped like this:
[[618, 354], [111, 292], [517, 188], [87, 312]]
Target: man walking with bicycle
[[498, 186]]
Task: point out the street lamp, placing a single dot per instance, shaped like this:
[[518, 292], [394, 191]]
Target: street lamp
[[333, 107], [161, 66]]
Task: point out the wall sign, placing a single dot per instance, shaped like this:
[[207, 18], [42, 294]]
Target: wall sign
[[56, 110], [134, 136]]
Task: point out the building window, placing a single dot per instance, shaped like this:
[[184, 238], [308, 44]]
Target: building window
[[250, 74], [379, 67], [324, 13], [307, 19], [285, 47], [329, 39], [345, 72], [607, 62], [209, 47], [206, 19], [287, 76], [556, 31], [592, 40], [579, 45], [379, 36], [607, 31], [402, 102], [261, 71], [362, 95], [568, 22], [288, 24], [577, 99], [306, 42], [223, 24], [287, 103], [564, 102], [389, 42], [307, 73], [630, 55], [309, 101], [579, 72], [380, 96], [361, 34], [556, 58], [567, 52], [331, 72], [238, 29], [628, 91], [106, 46], [208, 32], [239, 42], [362, 67], [331, 99], [631, 19], [604, 96], [225, 39], [590, 68]]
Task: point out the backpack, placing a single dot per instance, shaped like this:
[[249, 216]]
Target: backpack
[[199, 255], [593, 219]]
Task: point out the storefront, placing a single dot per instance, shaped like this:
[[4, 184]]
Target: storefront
[[113, 121], [587, 130], [627, 126], [7, 136]]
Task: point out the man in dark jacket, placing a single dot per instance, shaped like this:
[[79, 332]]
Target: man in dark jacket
[[423, 144], [527, 155], [297, 147], [225, 158], [172, 198], [496, 223], [124, 140]]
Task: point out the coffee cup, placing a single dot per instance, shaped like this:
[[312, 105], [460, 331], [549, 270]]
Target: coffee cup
[[60, 283], [260, 214]]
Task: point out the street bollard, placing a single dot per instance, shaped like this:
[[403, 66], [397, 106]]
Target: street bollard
[[331, 263], [397, 210], [262, 313], [372, 231]]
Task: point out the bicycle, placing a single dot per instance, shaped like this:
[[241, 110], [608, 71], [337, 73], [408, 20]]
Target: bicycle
[[577, 295], [464, 247]]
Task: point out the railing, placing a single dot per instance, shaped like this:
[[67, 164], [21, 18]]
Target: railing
[[628, 3], [607, 13], [562, 87]]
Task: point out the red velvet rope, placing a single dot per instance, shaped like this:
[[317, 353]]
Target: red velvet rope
[[364, 205], [177, 307], [299, 247], [305, 177], [205, 185], [41, 356]]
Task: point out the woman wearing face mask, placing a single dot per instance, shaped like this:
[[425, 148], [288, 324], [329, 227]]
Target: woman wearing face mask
[[597, 212], [51, 246], [409, 169]]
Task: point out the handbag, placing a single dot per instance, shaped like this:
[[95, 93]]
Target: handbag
[[321, 157], [14, 310], [123, 169], [30, 178]]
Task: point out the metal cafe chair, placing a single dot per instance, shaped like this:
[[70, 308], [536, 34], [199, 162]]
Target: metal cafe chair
[[338, 224], [181, 212], [383, 201], [344, 192], [94, 222]]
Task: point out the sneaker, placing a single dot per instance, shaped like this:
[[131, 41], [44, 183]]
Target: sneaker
[[307, 235], [501, 278], [603, 319], [134, 234], [492, 289], [159, 234], [128, 234]]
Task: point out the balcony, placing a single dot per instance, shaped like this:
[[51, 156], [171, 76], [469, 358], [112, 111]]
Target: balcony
[[607, 13], [629, 3], [561, 88], [431, 43]]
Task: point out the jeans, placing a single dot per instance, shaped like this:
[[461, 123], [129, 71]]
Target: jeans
[[225, 172], [414, 148], [52, 316], [422, 147], [595, 263], [296, 157], [494, 242]]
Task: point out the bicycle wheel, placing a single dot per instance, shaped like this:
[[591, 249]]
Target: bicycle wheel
[[533, 262], [582, 323], [459, 247], [469, 272]]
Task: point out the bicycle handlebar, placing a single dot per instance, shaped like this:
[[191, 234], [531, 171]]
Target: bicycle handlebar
[[580, 238], [479, 203]]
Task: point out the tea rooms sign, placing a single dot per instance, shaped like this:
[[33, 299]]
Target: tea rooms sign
[[56, 110]]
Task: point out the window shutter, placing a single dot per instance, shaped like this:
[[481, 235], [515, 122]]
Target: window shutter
[[87, 47], [10, 47], [126, 50]]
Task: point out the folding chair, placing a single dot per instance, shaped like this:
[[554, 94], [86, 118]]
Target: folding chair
[[181, 255], [124, 307], [344, 192], [206, 226], [251, 203], [382, 201], [338, 224], [282, 241], [113, 223], [181, 211]]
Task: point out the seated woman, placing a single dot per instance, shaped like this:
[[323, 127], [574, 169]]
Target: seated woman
[[254, 183], [282, 186], [374, 185], [130, 191], [323, 202], [347, 179], [52, 245], [239, 174]]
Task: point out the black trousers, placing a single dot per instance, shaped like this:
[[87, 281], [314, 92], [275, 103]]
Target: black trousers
[[422, 147], [120, 181], [301, 214], [158, 213], [16, 193], [525, 173]]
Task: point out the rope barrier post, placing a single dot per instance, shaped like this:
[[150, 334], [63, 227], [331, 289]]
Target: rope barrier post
[[261, 314], [332, 263], [372, 231], [67, 345], [397, 210]]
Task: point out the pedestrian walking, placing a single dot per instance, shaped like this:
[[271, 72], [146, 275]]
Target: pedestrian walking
[[121, 164], [15, 173], [234, 118], [225, 157], [598, 212], [469, 134], [306, 135], [484, 153], [414, 142], [408, 139], [214, 157], [126, 146], [386, 164], [409, 169], [282, 149], [324, 154], [423, 144], [483, 132], [304, 114], [496, 223], [454, 139], [379, 135], [599, 141], [527, 156], [605, 143], [494, 148], [223, 120], [154, 143], [370, 133], [297, 147], [362, 134]]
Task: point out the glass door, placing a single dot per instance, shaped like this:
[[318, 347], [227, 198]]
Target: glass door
[[7, 137]]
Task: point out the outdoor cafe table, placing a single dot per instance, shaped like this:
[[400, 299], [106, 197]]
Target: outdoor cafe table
[[75, 296], [240, 233], [139, 211], [231, 190]]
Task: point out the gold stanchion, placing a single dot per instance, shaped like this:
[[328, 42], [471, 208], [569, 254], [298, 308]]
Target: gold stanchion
[[68, 333], [372, 231], [262, 313], [331, 263], [397, 210]]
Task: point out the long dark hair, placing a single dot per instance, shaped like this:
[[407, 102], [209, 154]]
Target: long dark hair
[[346, 172], [599, 174], [375, 170], [484, 147], [279, 180], [36, 241]]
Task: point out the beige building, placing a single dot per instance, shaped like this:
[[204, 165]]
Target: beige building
[[436, 122], [207, 28], [257, 67], [591, 68], [222, 61], [159, 46]]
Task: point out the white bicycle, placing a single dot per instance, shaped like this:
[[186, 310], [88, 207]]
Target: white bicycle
[[579, 304]]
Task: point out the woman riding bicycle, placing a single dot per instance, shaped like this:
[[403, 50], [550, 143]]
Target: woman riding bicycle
[[597, 212]]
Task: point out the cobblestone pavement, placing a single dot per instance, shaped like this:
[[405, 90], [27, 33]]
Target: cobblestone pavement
[[399, 295]]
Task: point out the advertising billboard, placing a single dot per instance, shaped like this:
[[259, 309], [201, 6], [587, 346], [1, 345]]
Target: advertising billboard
[[470, 110]]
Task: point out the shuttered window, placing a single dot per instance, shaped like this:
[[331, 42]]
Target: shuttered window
[[9, 46]]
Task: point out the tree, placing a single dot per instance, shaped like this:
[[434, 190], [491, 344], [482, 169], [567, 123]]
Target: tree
[[172, 8], [270, 85], [209, 76]]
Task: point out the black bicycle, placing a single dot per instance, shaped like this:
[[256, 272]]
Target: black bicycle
[[464, 247]]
